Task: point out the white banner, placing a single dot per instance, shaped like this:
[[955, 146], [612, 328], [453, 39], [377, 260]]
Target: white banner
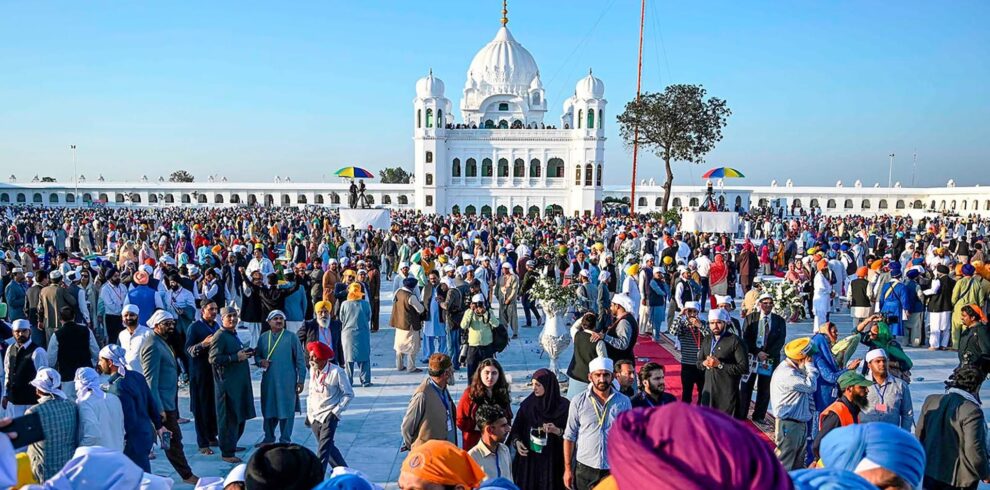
[[708, 222], [380, 219]]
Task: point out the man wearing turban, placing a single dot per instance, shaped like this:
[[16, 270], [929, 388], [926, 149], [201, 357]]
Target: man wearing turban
[[440, 465], [971, 289], [883, 454], [792, 387]]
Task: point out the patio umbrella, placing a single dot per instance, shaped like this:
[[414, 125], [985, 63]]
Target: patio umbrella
[[354, 173], [723, 173]]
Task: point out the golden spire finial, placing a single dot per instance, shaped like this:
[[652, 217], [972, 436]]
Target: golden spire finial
[[505, 13]]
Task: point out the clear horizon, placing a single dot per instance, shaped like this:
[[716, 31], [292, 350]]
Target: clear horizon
[[819, 92]]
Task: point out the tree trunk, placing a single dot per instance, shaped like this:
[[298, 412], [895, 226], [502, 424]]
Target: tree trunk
[[668, 184]]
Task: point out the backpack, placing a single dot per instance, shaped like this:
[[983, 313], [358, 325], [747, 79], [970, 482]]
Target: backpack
[[500, 337]]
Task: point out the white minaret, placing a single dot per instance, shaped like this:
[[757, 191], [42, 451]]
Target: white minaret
[[431, 113], [586, 111]]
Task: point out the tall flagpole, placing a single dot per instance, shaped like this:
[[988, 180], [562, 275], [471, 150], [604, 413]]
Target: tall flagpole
[[639, 85], [75, 171]]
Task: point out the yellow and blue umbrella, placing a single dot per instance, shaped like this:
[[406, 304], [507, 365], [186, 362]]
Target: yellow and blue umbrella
[[723, 173], [354, 173]]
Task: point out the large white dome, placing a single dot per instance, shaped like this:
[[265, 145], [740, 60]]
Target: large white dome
[[504, 65]]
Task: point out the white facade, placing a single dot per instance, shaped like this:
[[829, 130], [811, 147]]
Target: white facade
[[502, 158]]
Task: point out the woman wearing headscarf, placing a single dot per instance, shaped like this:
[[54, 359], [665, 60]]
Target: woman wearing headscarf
[[543, 410], [101, 418], [684, 447], [718, 278]]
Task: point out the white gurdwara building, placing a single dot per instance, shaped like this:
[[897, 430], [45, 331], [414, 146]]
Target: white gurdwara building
[[503, 157]]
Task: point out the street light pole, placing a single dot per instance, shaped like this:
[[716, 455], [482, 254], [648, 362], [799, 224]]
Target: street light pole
[[75, 171], [890, 172]]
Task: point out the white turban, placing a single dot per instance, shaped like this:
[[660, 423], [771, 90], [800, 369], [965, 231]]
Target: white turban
[[719, 314], [115, 354], [623, 300], [97, 467], [49, 381], [600, 364], [87, 383], [129, 308], [159, 316], [21, 324], [875, 354]]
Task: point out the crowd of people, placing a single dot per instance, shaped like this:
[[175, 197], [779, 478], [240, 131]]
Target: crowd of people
[[111, 313]]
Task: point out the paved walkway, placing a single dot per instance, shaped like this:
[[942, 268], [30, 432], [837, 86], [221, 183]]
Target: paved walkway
[[369, 430]]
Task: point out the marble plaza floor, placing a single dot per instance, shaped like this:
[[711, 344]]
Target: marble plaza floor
[[369, 436]]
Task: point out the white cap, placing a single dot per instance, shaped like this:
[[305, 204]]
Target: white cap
[[719, 314], [17, 270], [130, 308], [55, 275], [765, 296], [604, 276], [478, 299], [236, 475], [404, 265], [209, 483], [20, 324], [875, 354], [691, 305], [506, 265], [448, 268], [623, 300], [159, 316], [723, 300], [658, 270], [648, 257], [600, 364], [584, 273]]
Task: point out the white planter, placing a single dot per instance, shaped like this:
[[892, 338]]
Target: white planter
[[555, 338]]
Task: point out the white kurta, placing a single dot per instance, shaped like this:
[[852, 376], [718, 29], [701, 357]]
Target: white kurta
[[101, 421], [822, 298]]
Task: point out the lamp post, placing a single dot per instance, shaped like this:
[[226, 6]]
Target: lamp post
[[75, 170], [890, 172]]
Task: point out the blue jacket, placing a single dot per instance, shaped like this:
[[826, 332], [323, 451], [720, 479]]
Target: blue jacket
[[828, 372], [894, 298], [16, 295], [295, 306], [144, 298], [139, 409]]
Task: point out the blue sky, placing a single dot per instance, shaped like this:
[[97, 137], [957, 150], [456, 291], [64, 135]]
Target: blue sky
[[820, 91]]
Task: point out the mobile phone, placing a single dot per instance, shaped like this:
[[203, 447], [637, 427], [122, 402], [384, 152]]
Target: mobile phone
[[28, 429]]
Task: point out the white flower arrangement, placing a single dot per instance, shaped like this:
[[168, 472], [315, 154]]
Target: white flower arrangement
[[787, 299], [554, 298]]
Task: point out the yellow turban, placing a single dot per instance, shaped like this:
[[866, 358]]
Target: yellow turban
[[354, 292], [323, 305], [632, 270], [349, 273], [798, 349]]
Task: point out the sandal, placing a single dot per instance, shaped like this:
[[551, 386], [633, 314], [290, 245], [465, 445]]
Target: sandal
[[205, 450]]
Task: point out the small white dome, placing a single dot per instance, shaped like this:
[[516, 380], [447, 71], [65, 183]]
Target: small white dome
[[536, 84], [590, 87], [429, 86]]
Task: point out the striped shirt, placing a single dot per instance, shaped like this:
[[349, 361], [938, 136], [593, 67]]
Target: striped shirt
[[690, 338]]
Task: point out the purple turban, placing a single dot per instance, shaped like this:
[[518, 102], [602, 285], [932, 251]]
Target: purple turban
[[683, 447]]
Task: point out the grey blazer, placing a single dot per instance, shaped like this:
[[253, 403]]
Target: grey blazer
[[162, 372]]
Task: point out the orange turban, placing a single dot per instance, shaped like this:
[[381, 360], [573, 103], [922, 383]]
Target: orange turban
[[354, 292], [822, 264], [862, 272], [979, 312], [876, 265], [443, 463]]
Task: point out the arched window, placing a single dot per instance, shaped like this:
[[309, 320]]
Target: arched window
[[866, 204], [658, 202], [693, 202], [976, 205], [370, 198], [641, 202], [591, 119], [489, 124], [53, 199], [203, 200], [486, 211], [301, 199], [419, 118], [439, 118], [286, 200], [503, 124], [882, 204], [501, 211], [403, 200], [739, 202], [814, 203], [503, 167], [589, 175], [486, 167], [577, 175], [169, 198], [21, 197], [119, 198], [455, 168], [87, 197], [534, 211], [456, 210], [963, 204], [318, 198], [536, 99], [676, 202], [534, 167], [953, 205], [472, 168], [334, 198], [830, 204], [917, 204], [503, 106], [470, 210], [986, 205], [796, 203], [555, 168], [932, 207], [517, 211], [601, 120], [429, 178], [517, 124], [580, 115], [599, 179], [4, 197], [218, 199], [236, 198], [37, 198], [136, 198], [848, 204], [429, 157], [519, 168], [386, 199], [252, 200], [186, 199], [762, 203], [942, 205], [429, 118]]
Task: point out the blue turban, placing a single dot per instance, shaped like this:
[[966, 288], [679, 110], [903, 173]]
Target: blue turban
[[844, 247], [968, 270], [410, 282], [917, 261], [913, 273], [895, 269], [835, 246], [886, 445], [900, 234], [829, 479]]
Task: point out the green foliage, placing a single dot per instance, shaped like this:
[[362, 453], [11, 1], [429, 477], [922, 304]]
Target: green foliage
[[678, 124], [394, 175], [181, 176]]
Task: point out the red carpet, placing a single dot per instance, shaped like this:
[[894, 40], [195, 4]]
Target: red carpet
[[663, 353]]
